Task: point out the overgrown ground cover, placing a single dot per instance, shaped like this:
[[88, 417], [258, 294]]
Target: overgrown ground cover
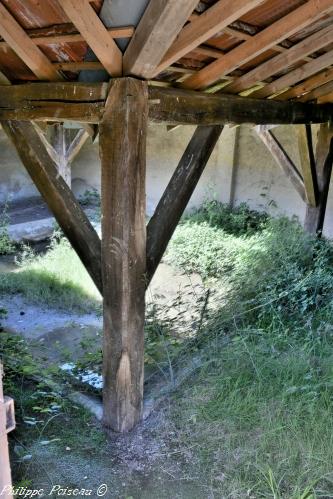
[[255, 418], [259, 411]]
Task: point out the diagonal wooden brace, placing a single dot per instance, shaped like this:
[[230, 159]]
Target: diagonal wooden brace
[[59, 197]]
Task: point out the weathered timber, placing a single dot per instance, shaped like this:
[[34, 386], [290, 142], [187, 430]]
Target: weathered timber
[[157, 29], [123, 158], [58, 196], [178, 193], [308, 165], [7, 424], [84, 102], [282, 159], [176, 106], [315, 216], [80, 102]]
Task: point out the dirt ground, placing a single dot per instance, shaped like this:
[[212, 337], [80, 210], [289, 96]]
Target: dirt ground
[[145, 463]]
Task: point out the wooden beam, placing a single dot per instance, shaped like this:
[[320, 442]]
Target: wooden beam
[[178, 193], [84, 102], [326, 98], [57, 36], [315, 216], [282, 61], [157, 29], [76, 145], [308, 165], [318, 92], [282, 159], [263, 41], [57, 195], [83, 16], [19, 41], [123, 158], [296, 75], [176, 106], [205, 26], [308, 85]]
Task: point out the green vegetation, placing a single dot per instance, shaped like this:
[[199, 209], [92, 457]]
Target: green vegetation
[[258, 414], [56, 278], [6, 246]]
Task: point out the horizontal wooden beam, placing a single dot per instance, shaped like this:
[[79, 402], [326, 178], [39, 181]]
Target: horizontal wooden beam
[[176, 106], [84, 102], [42, 36]]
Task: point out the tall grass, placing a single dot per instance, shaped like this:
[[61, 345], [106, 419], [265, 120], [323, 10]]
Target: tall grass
[[259, 412]]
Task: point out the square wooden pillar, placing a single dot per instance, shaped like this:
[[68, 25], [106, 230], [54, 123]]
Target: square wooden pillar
[[123, 158]]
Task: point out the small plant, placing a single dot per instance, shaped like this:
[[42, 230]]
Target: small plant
[[90, 197], [6, 245]]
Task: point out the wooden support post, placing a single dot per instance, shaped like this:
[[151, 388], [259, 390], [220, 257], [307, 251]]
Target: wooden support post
[[123, 158], [315, 215], [7, 424], [178, 192], [58, 196]]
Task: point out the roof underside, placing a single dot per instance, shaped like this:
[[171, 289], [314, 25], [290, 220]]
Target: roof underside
[[281, 49]]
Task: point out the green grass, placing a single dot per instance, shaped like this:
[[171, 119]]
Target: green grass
[[56, 278], [258, 414]]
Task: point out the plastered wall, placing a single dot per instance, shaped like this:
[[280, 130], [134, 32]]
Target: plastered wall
[[240, 170]]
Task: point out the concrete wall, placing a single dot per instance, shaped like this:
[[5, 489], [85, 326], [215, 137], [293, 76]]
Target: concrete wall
[[255, 178]]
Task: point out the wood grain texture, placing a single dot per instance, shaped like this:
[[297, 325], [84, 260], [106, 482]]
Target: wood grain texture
[[19, 41], [158, 28], [178, 193], [83, 16], [205, 26], [58, 196], [263, 41], [123, 159], [282, 61]]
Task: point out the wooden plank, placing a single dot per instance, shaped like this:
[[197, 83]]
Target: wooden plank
[[176, 106], [308, 85], [282, 61], [296, 75], [315, 216], [158, 27], [57, 195], [205, 26], [318, 92], [19, 41], [326, 98], [83, 16], [178, 193], [308, 166], [282, 159], [122, 140], [263, 41]]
